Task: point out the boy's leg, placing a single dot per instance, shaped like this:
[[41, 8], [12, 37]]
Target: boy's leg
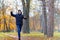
[[18, 35], [19, 30]]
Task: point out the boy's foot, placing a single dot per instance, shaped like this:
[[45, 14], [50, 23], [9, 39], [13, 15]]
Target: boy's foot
[[19, 39]]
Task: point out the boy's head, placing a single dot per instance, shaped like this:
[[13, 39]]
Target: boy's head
[[19, 12]]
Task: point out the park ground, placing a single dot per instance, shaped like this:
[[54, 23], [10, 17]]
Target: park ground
[[31, 36]]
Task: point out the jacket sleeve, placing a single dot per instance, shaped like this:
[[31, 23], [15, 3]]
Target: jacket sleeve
[[13, 14]]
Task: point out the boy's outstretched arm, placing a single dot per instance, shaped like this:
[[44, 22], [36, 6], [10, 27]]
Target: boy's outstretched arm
[[12, 14]]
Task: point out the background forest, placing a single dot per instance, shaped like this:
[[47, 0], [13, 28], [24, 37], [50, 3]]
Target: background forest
[[43, 16]]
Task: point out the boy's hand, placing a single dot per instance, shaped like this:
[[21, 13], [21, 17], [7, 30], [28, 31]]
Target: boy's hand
[[25, 17], [11, 12]]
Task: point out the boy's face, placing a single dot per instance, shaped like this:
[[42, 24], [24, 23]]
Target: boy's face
[[19, 12]]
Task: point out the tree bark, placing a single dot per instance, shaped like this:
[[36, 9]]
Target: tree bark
[[26, 7], [44, 17], [50, 21]]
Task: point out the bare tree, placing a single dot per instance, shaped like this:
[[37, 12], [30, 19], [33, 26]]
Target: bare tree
[[50, 21], [26, 6], [44, 17], [0, 20]]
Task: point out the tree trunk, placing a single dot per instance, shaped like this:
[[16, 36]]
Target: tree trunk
[[50, 20], [0, 21], [44, 17], [26, 7], [9, 24], [3, 12]]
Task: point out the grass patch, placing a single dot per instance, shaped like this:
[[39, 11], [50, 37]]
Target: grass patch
[[26, 34], [2, 35], [56, 34], [32, 34]]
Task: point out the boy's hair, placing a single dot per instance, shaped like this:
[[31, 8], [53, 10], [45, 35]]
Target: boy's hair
[[19, 10]]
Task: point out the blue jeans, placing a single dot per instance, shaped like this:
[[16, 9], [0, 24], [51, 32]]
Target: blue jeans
[[19, 27]]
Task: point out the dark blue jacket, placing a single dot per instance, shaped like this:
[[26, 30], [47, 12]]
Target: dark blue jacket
[[19, 18]]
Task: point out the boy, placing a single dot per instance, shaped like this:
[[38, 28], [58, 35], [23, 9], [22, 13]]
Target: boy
[[19, 21]]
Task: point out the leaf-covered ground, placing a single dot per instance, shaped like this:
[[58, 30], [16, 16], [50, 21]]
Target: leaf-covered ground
[[31, 36]]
